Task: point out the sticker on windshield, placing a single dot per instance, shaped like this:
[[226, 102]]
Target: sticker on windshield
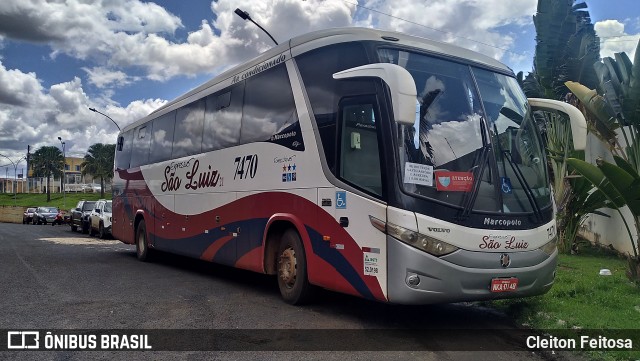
[[417, 173], [454, 181], [505, 185]]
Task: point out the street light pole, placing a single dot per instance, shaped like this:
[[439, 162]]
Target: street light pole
[[15, 176], [96, 111], [245, 16], [64, 174]]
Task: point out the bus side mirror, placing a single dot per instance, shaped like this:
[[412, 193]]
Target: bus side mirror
[[578, 123], [400, 83]]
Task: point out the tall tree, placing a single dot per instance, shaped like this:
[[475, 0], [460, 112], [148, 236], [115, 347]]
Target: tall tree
[[47, 161], [98, 162], [566, 48]]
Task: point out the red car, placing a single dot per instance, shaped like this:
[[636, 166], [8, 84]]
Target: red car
[[60, 218]]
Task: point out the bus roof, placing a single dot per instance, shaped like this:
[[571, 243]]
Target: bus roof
[[317, 39]]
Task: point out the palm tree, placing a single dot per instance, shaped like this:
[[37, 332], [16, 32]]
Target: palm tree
[[47, 161], [98, 162]]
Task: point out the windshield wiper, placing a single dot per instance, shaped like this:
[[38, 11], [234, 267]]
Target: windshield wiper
[[470, 199], [527, 189]]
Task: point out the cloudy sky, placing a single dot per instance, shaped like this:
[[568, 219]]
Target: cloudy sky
[[128, 57]]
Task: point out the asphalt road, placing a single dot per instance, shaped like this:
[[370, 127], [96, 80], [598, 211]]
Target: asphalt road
[[52, 278]]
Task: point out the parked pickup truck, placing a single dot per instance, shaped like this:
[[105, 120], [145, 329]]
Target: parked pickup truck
[[80, 216], [100, 219]]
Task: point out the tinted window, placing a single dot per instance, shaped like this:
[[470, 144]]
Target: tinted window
[[88, 206], [223, 118], [140, 152], [317, 68], [268, 105], [188, 130], [162, 139], [123, 156], [359, 155]]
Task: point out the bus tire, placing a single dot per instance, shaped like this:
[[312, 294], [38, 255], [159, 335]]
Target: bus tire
[[142, 247], [292, 269]]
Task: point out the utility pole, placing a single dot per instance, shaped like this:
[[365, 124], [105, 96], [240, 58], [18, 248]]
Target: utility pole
[[28, 160]]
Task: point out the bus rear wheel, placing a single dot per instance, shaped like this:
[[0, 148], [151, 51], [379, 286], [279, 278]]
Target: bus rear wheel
[[292, 269], [142, 248]]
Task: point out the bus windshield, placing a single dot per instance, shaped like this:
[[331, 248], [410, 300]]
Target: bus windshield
[[474, 143]]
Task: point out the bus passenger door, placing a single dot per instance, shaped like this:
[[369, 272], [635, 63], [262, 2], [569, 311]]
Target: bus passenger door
[[357, 207]]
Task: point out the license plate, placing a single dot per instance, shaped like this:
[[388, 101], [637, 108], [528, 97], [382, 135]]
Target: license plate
[[504, 284]]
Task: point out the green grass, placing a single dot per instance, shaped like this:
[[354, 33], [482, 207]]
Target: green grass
[[581, 298], [57, 199]]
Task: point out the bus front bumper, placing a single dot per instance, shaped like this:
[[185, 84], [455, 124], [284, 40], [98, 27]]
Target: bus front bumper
[[441, 281]]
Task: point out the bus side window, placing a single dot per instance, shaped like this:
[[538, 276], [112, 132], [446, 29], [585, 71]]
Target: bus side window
[[140, 152], [162, 137], [317, 68], [123, 155], [268, 105], [359, 154], [223, 114], [188, 131]]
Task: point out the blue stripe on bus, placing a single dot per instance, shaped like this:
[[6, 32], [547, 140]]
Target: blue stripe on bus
[[229, 253], [332, 256]]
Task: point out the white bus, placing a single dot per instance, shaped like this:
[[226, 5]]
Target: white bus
[[371, 163]]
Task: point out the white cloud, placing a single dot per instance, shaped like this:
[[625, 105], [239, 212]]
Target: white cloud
[[37, 116], [103, 77], [121, 33], [18, 88], [614, 39], [468, 23]]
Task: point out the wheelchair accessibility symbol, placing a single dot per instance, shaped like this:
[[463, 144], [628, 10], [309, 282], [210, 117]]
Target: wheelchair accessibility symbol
[[505, 185], [341, 200]]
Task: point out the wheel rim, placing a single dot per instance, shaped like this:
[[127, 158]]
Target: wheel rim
[[287, 267]]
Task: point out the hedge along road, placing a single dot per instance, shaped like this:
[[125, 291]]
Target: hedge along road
[[52, 278]]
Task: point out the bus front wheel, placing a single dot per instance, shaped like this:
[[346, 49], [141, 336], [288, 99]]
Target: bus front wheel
[[292, 269], [142, 248]]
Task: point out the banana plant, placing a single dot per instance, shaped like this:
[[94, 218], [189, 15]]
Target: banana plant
[[617, 107], [573, 195], [619, 183]]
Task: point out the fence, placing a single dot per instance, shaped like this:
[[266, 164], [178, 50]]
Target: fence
[[10, 214]]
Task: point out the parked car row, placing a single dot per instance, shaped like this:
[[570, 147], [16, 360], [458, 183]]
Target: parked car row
[[93, 217], [43, 215]]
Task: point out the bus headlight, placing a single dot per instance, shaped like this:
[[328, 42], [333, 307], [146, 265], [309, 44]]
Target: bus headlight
[[428, 244], [550, 247]]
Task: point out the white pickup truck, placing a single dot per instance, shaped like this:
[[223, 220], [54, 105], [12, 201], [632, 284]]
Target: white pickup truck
[[100, 219]]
